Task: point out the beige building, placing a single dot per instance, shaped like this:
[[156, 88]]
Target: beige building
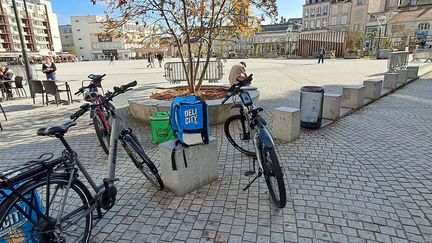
[[92, 42], [340, 15], [66, 37], [316, 16], [39, 27]]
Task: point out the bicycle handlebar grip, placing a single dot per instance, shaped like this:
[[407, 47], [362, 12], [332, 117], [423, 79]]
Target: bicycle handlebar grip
[[129, 85], [80, 90], [227, 96], [80, 112]]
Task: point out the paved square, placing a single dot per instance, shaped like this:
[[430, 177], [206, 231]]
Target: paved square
[[366, 178]]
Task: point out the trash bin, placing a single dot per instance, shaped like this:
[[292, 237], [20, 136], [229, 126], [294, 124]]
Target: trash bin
[[161, 127], [311, 106]]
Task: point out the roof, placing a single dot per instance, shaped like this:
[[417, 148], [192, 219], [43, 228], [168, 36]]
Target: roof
[[412, 16], [281, 27]]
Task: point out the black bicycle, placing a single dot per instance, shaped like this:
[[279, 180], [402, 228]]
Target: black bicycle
[[45, 201], [248, 133]]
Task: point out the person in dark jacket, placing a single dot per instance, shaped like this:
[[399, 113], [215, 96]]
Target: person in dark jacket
[[49, 68], [321, 54], [7, 74]]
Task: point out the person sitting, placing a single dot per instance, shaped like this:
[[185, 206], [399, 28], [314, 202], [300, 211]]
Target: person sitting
[[49, 68], [238, 73], [7, 74]]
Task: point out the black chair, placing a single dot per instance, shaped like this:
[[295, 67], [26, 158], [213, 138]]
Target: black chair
[[51, 88], [4, 114], [19, 86], [37, 88]]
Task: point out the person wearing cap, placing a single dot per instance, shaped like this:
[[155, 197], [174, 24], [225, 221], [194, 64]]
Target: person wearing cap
[[237, 73]]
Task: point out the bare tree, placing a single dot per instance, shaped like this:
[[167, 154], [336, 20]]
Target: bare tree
[[199, 21]]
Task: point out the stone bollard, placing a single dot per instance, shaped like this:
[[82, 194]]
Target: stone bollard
[[402, 76], [202, 166], [413, 72], [286, 123], [332, 105], [373, 88], [353, 96], [390, 80]]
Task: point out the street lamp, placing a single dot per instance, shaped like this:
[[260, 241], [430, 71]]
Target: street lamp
[[381, 21]]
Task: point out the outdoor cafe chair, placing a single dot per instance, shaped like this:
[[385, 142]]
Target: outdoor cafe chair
[[37, 88], [19, 86], [51, 88]]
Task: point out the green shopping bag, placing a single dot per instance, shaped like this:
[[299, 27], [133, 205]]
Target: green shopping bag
[[161, 128]]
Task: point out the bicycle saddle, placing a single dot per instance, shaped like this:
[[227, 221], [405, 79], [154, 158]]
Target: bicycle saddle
[[56, 130]]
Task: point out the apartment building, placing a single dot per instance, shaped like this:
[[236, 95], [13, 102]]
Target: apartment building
[[316, 15], [93, 42], [66, 38], [340, 15], [39, 27]]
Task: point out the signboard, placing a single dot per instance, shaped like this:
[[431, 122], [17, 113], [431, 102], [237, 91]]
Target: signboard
[[110, 52], [104, 38]]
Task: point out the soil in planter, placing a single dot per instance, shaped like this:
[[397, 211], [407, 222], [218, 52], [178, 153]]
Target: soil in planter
[[204, 93]]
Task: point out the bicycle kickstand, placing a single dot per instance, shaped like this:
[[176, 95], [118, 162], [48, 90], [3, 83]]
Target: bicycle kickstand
[[254, 179]]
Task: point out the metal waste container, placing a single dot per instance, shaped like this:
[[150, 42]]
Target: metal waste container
[[311, 106]]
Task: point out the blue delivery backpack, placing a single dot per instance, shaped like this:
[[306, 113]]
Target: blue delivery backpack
[[190, 122]]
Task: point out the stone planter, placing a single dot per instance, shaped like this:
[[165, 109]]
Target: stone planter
[[352, 55], [142, 106]]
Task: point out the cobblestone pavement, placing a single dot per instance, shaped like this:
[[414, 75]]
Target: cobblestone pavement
[[366, 178]]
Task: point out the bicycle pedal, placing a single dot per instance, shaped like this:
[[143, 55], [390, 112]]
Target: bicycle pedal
[[249, 173]]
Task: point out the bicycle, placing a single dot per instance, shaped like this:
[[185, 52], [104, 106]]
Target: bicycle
[[248, 133], [98, 114], [45, 201]]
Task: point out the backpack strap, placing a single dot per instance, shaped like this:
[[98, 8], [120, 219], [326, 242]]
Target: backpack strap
[[173, 160], [204, 131]]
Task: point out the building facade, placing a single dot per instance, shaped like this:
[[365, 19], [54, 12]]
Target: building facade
[[316, 15], [92, 42], [39, 27], [340, 15], [66, 38]]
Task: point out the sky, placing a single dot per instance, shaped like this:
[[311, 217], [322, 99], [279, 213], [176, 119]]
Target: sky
[[66, 8]]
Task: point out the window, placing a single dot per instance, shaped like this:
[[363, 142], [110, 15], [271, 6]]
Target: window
[[344, 19], [77, 20], [306, 24], [306, 13], [324, 23], [81, 48], [423, 26], [333, 20], [312, 12], [319, 11], [324, 10], [360, 2], [78, 30], [334, 10], [414, 2], [79, 39], [312, 24], [318, 24], [66, 37], [345, 8]]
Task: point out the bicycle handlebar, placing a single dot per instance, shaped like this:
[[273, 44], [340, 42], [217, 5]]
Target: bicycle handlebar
[[94, 78], [235, 88], [109, 96]]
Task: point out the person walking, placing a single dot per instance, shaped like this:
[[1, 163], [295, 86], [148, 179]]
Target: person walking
[[321, 55], [160, 59], [149, 60], [49, 68], [111, 59]]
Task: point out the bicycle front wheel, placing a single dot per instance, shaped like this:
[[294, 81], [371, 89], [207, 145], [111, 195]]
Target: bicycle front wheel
[[35, 217], [102, 133], [238, 134], [141, 160], [273, 176]]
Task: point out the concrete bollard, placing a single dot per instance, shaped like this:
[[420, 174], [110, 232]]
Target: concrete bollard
[[202, 166], [390, 80], [353, 96], [332, 105], [402, 76], [413, 72], [286, 123], [373, 88]]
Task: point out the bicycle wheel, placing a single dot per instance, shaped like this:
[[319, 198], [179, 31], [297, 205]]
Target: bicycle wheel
[[16, 227], [273, 176], [141, 160], [238, 134], [102, 133]]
